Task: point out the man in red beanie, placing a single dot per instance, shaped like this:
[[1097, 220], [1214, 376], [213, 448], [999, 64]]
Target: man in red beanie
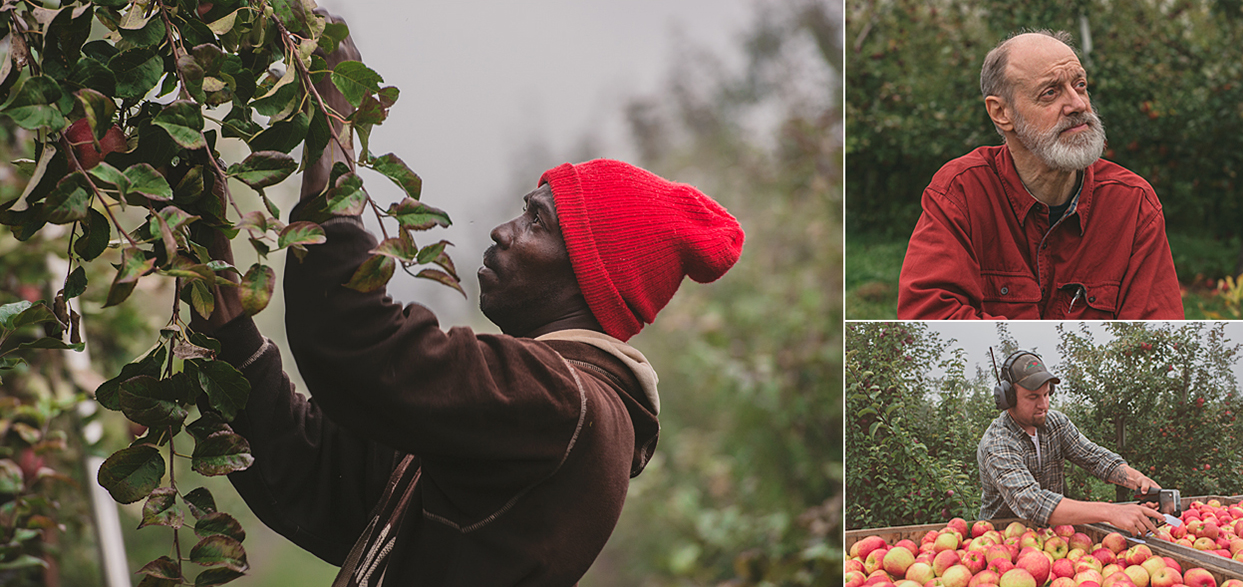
[[453, 458]]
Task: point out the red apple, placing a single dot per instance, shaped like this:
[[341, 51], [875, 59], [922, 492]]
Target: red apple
[[959, 525], [1105, 555], [1198, 577], [1062, 568], [1079, 540], [1015, 529], [1138, 575], [1152, 563], [997, 551], [1056, 546], [1165, 577], [79, 135], [920, 572], [985, 578], [1017, 578], [854, 579], [1232, 583], [1204, 543], [1138, 554], [1000, 566], [947, 540], [1089, 562], [862, 548], [897, 560], [1062, 582], [1088, 576], [1118, 579], [1173, 564], [944, 560], [956, 576], [973, 560], [979, 528], [1037, 564]]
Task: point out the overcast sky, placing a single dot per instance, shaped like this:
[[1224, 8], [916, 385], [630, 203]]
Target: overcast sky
[[489, 87]]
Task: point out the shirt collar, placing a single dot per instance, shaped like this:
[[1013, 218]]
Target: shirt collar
[[1022, 201]]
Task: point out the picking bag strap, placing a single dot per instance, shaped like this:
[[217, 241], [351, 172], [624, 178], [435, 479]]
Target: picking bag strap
[[378, 531]]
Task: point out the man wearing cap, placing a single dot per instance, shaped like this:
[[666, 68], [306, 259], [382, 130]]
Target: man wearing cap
[[1040, 227], [432, 457], [1022, 452]]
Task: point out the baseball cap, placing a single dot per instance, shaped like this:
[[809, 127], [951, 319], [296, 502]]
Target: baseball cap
[[1029, 372]]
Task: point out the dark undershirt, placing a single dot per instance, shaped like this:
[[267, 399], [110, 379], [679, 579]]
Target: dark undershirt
[[1056, 212]]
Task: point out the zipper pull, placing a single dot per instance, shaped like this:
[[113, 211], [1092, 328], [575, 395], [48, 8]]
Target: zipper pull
[[1078, 294]]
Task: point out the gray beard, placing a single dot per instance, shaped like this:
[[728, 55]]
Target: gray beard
[[1073, 153]]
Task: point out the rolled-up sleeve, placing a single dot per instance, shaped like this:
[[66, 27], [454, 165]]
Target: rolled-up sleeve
[[1095, 459]]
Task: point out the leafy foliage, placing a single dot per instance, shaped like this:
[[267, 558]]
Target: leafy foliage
[[127, 104]]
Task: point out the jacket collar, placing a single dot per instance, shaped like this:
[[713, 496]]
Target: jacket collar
[[1022, 201]]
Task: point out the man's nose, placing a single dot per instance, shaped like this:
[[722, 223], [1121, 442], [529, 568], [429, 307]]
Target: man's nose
[[1078, 102], [502, 234]]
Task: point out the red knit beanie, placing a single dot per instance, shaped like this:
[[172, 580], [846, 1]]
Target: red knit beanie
[[632, 236]]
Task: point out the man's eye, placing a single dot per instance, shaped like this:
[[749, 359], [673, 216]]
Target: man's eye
[[535, 217]]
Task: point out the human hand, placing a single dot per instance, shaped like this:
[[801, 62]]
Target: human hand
[[1134, 518], [1139, 481]]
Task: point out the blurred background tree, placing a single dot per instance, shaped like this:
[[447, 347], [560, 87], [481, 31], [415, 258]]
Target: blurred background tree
[[1164, 396], [746, 484], [1164, 76]]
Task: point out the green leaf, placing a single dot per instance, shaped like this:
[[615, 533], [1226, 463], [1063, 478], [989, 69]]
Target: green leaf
[[145, 180], [184, 122], [442, 277], [256, 288], [224, 24], [164, 567], [48, 342], [148, 401], [415, 215], [201, 298], [334, 33], [19, 315], [137, 71], [96, 232], [75, 284], [23, 561], [131, 474], [149, 581], [261, 169], [70, 200], [134, 264], [217, 550], [108, 393], [401, 248], [226, 388], [219, 524], [217, 576], [200, 501], [372, 274], [98, 109], [147, 34], [11, 479], [395, 169], [33, 105], [318, 134], [431, 252], [161, 510], [301, 233], [108, 174], [282, 136], [355, 80], [347, 197], [220, 454]]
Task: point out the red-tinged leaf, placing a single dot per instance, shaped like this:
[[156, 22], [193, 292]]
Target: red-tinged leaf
[[98, 110], [176, 217], [145, 180], [147, 401], [161, 510], [442, 277], [254, 221], [70, 200], [166, 236], [200, 501], [400, 247], [216, 576], [395, 169], [149, 581], [207, 424], [219, 524], [256, 288], [12, 481], [415, 215], [301, 233], [220, 454], [183, 120], [444, 261], [134, 264], [226, 388], [431, 252], [185, 350], [108, 393], [388, 96], [22, 314], [347, 198], [264, 168], [131, 474], [162, 568], [372, 274], [217, 550]]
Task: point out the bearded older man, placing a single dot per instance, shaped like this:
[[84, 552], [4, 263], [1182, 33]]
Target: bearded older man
[[1040, 227]]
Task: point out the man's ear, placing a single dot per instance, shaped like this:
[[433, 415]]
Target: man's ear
[[999, 111]]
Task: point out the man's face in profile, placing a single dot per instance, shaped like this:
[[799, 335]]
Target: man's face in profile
[[526, 275], [1032, 405]]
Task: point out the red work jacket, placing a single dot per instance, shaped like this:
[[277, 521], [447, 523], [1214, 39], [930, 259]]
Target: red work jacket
[[983, 248]]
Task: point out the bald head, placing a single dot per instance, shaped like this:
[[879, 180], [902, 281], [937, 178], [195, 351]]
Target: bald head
[[1023, 50]]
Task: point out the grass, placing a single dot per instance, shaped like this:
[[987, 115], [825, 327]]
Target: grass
[[873, 263]]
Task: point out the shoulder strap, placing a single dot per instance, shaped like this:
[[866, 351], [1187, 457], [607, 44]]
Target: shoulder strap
[[363, 560]]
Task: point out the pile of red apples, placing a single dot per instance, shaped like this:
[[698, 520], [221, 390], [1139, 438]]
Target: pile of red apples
[[1209, 527], [1016, 556]]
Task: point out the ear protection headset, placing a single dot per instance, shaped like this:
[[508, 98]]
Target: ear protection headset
[[1004, 394]]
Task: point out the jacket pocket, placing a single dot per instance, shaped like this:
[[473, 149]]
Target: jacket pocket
[[1089, 301], [1007, 287]]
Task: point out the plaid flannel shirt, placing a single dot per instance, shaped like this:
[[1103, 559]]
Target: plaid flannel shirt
[[1016, 485]]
